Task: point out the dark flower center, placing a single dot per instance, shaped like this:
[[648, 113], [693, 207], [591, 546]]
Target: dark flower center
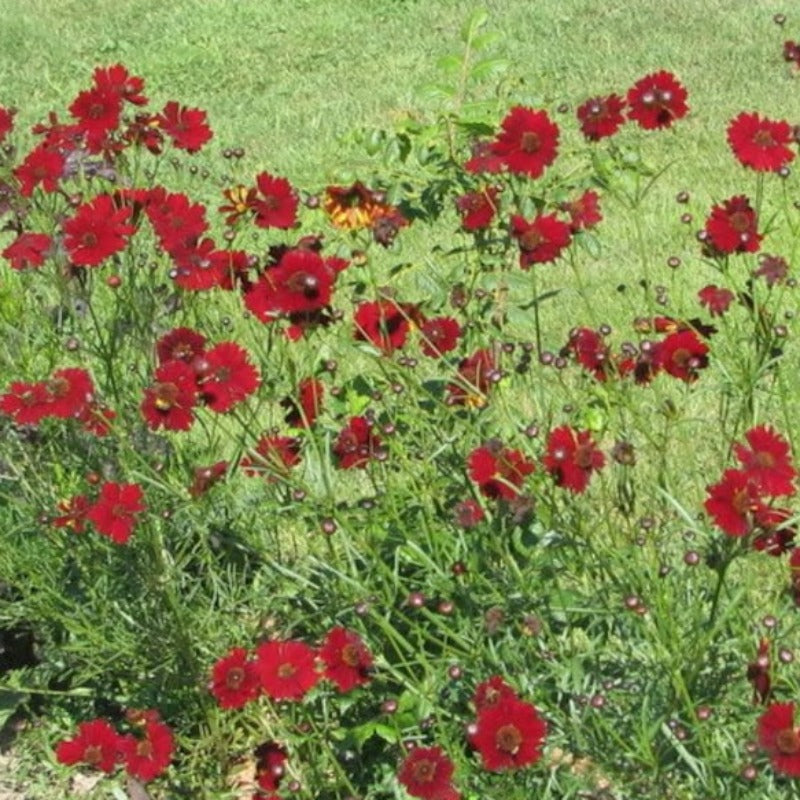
[[530, 142], [144, 748], [740, 221], [764, 460], [58, 387], [583, 455], [788, 741], [350, 655], [763, 138], [234, 678], [508, 739], [530, 240], [286, 670], [89, 239], [424, 771], [305, 284], [681, 357], [166, 396], [94, 755]]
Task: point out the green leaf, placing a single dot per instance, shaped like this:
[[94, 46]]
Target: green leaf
[[489, 68], [475, 21], [9, 703], [450, 64], [590, 243], [484, 40], [435, 91]]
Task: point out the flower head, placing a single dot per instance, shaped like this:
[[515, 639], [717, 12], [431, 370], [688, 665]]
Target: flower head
[[780, 738], [148, 753], [733, 227], [600, 117], [498, 471], [427, 773], [235, 679], [115, 512], [571, 458], [527, 143], [347, 660], [760, 143], [541, 240], [657, 100], [96, 744], [186, 127], [288, 669], [767, 461], [509, 734], [97, 230]]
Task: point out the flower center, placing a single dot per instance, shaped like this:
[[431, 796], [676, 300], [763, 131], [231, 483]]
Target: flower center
[[765, 460], [530, 142], [144, 748], [788, 741], [740, 221], [583, 456], [94, 754], [350, 655], [508, 739], [424, 771], [530, 240], [286, 670], [763, 139], [235, 678], [166, 396]]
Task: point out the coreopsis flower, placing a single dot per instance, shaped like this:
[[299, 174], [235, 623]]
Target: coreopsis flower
[[42, 166], [498, 471], [241, 201], [476, 375], [483, 160], [143, 131], [478, 209], [773, 269], [69, 391], [733, 502], [387, 223], [27, 403], [180, 344], [225, 376], [6, 122], [73, 514], [571, 458], [170, 401], [177, 222], [468, 513], [272, 457], [302, 411], [584, 212], [116, 510], [600, 117], [346, 660], [590, 351], [118, 80], [385, 323], [270, 760], [733, 227], [276, 206], [508, 734], [96, 418], [760, 143], [206, 477], [527, 143], [492, 691], [767, 461], [96, 744], [772, 533], [97, 230], [657, 100], [147, 755], [791, 53], [356, 445], [186, 127], [97, 111], [27, 250], [716, 299], [235, 679], [287, 669], [427, 773], [682, 354], [351, 208], [201, 266], [779, 737], [541, 240], [439, 335]]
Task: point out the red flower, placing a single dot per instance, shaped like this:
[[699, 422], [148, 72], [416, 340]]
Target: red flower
[[528, 142], [301, 282], [200, 266], [169, 401], [96, 231], [278, 208], [96, 744], [509, 735], [591, 352], [176, 222], [43, 165], [356, 444], [273, 457], [352, 208], [498, 471], [185, 126], [235, 679], [206, 477], [347, 660], [115, 512], [147, 757], [6, 122], [225, 376], [70, 391], [73, 514], [758, 674], [439, 335], [540, 240], [779, 737], [427, 773], [476, 374], [478, 209], [97, 111], [468, 513], [118, 80], [303, 411], [584, 213], [768, 461], [28, 250], [733, 227], [270, 758], [287, 669], [28, 403], [733, 502], [682, 354], [600, 117], [716, 299], [773, 269], [483, 159], [761, 144], [772, 533], [571, 458], [492, 691], [384, 323], [657, 100], [180, 344], [791, 53]]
